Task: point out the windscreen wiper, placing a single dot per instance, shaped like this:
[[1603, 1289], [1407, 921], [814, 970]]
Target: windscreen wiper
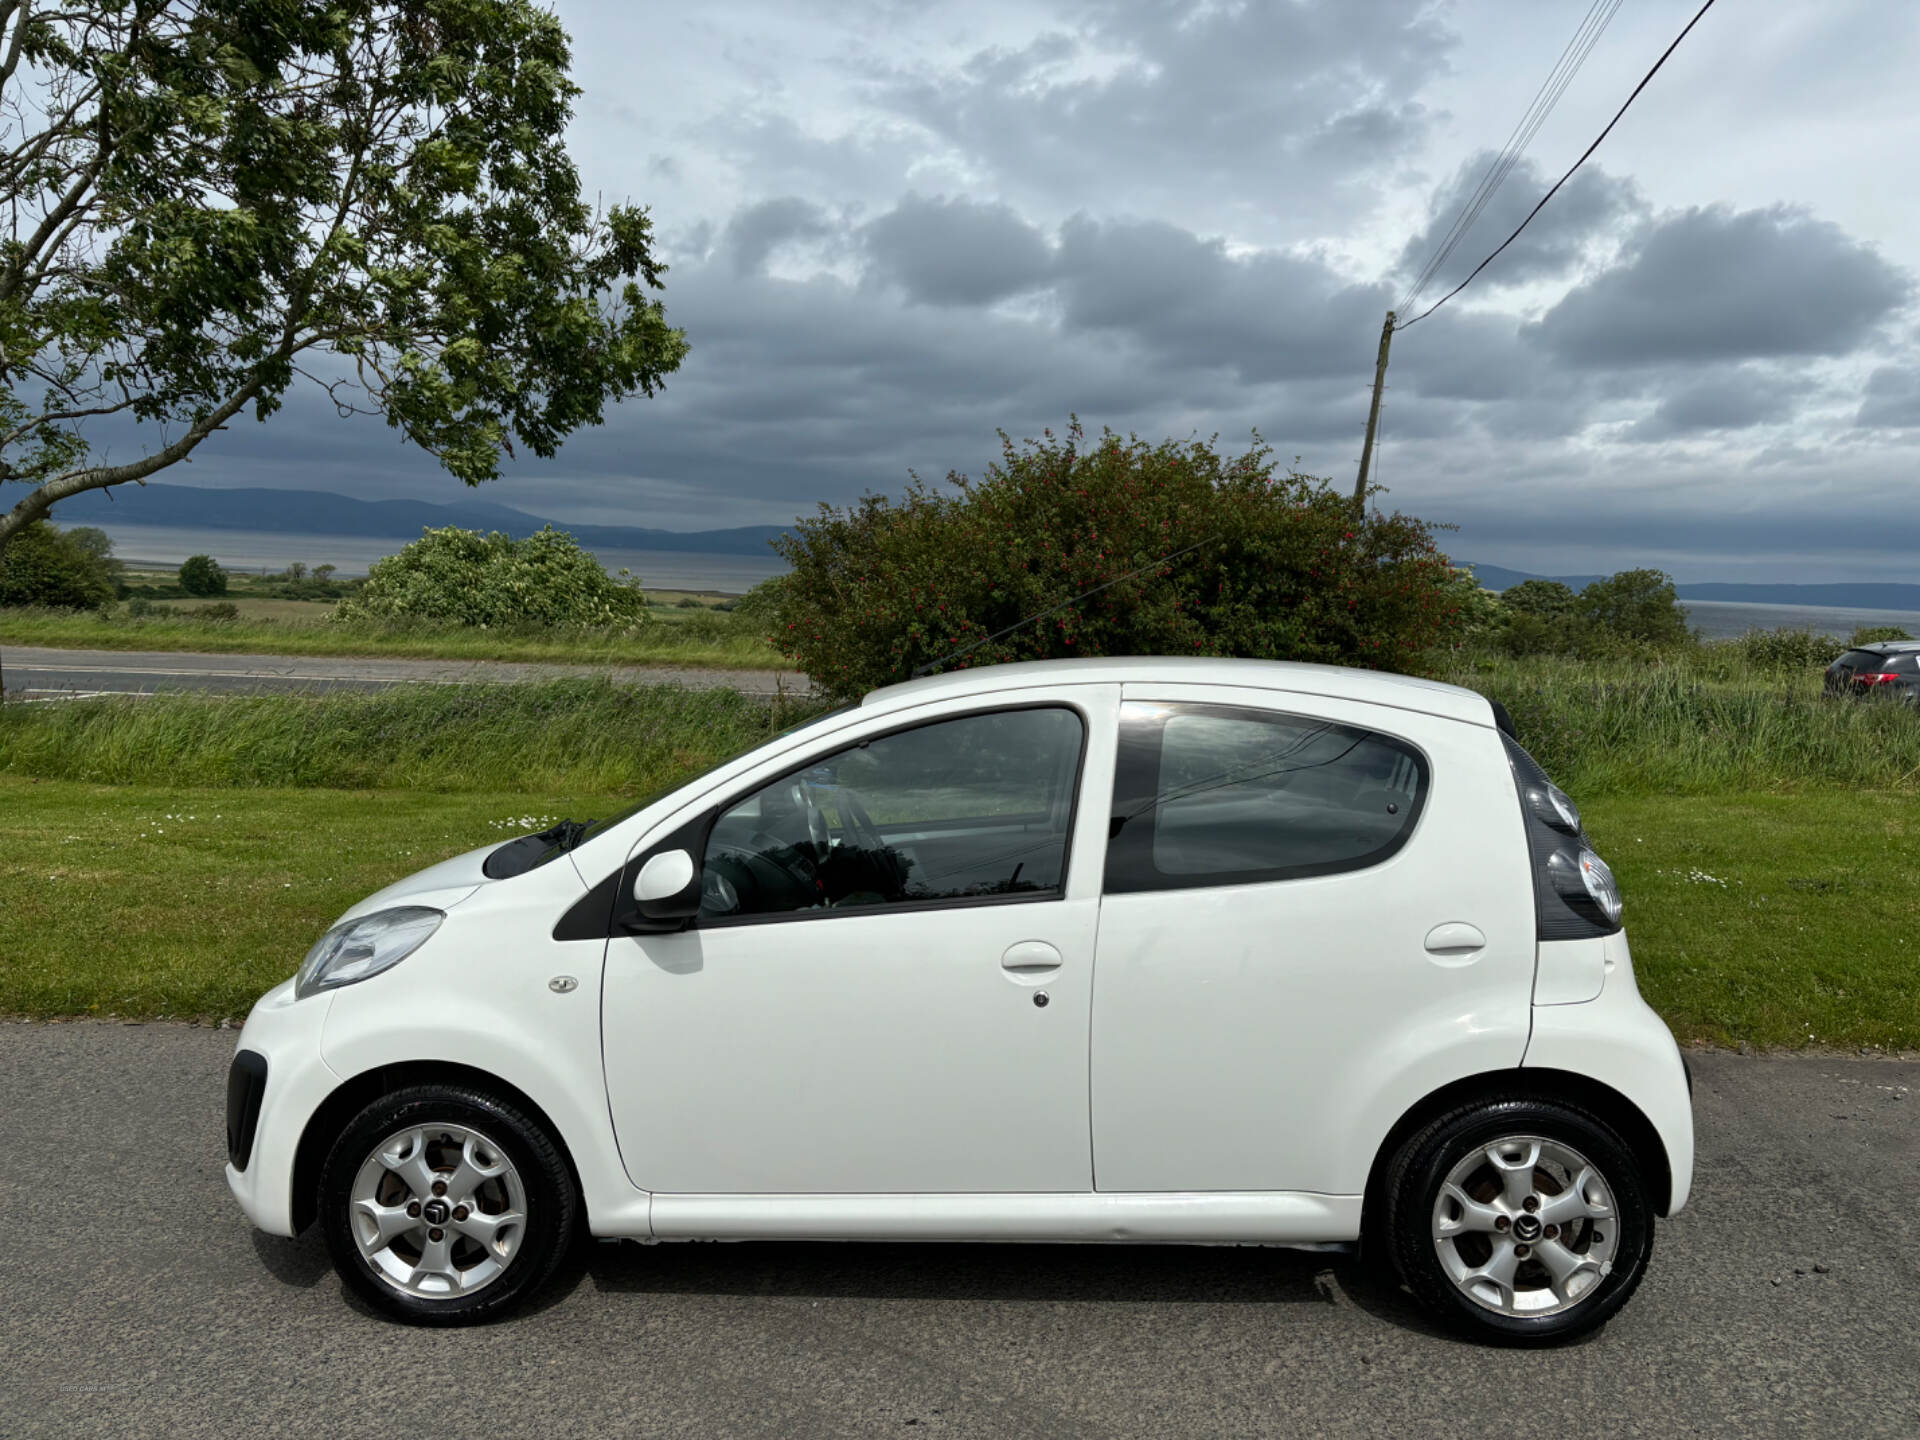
[[567, 833]]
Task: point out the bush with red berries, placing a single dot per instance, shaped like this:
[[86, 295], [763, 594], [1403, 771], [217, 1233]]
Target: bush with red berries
[[1275, 566]]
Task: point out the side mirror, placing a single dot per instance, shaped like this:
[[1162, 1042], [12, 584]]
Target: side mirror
[[667, 891]]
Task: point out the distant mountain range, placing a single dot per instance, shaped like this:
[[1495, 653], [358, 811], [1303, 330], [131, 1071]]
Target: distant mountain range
[[317, 512], [1864, 596]]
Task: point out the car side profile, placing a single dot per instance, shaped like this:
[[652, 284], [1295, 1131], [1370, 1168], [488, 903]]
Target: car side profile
[[1886, 669], [1114, 950]]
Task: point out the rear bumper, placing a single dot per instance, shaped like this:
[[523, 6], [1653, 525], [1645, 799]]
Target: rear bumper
[[278, 1089], [1618, 1040]]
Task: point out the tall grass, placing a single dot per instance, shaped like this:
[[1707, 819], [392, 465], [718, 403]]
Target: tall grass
[[1704, 719], [1691, 724], [580, 736], [704, 639]]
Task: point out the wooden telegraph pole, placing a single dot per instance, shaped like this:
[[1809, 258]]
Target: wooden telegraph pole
[[1373, 414]]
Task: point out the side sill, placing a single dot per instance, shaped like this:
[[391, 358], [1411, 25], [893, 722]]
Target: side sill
[[1244, 1218]]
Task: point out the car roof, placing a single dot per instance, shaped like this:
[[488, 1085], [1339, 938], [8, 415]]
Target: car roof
[[1887, 647], [1337, 682]]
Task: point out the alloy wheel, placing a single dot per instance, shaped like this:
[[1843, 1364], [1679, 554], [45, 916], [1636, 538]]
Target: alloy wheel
[[438, 1211], [1525, 1226]]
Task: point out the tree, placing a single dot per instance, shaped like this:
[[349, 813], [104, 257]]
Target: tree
[[323, 574], [297, 571], [1277, 566], [1637, 606], [202, 575], [213, 199], [1539, 597], [45, 566]]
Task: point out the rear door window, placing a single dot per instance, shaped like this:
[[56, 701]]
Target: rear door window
[[1216, 795]]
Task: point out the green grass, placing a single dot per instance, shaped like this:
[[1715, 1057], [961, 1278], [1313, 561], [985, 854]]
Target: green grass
[[148, 901], [1695, 724], [155, 901], [696, 638], [576, 735], [1779, 920], [1690, 775]]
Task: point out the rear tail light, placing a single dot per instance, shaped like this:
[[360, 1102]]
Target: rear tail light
[[1575, 894], [1880, 679], [1585, 882]]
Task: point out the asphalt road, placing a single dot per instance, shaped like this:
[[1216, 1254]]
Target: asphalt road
[[135, 1300], [43, 674]]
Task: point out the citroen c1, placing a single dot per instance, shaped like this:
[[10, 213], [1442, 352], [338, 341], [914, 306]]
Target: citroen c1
[[1110, 950]]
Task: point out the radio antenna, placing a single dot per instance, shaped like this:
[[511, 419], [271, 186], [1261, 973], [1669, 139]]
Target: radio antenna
[[930, 666]]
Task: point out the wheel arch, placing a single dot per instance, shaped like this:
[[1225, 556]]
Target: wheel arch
[[1625, 1117], [352, 1096]]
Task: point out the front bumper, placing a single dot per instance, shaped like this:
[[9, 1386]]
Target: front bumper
[[285, 1034]]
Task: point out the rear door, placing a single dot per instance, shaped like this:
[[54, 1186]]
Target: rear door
[[1312, 908]]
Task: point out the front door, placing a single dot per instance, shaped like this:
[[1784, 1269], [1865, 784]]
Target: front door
[[887, 989]]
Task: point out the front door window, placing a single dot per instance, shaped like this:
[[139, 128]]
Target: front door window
[[976, 808]]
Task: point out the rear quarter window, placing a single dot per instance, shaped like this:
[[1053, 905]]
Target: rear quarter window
[[1216, 795]]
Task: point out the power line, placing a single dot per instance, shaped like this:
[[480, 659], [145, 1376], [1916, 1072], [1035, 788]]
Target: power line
[[1599, 14], [1644, 80]]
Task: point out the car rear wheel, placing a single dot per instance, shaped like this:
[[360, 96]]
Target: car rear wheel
[[443, 1205], [1521, 1221]]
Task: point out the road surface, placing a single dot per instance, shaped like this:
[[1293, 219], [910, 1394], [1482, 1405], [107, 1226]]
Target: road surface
[[44, 674], [135, 1300]]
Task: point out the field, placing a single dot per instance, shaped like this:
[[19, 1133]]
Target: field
[[690, 634], [1763, 836]]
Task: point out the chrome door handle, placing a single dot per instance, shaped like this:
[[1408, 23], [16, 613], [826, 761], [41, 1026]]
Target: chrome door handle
[[1456, 939], [1030, 957]]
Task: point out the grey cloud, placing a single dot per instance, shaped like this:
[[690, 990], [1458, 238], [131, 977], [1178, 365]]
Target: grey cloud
[[1716, 284], [1592, 205], [1265, 317], [1199, 91], [1891, 400], [1729, 400], [956, 252], [757, 231]]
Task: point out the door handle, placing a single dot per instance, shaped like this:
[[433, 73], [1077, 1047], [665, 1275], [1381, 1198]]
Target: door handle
[[1455, 940], [1030, 957]]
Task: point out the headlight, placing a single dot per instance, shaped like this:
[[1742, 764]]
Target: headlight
[[1556, 807], [1584, 878], [351, 952]]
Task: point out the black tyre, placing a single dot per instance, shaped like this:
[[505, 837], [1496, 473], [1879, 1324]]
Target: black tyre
[[1517, 1220], [443, 1205]]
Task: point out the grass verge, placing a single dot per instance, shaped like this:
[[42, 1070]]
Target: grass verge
[[1782, 921], [575, 736], [712, 644], [1779, 920], [152, 901]]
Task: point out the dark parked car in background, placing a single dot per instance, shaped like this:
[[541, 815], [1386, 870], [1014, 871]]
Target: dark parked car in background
[[1889, 668]]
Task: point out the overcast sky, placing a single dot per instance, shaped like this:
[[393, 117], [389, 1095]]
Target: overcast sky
[[895, 226]]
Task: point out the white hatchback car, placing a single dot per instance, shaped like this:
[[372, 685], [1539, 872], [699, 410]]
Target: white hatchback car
[[1122, 950]]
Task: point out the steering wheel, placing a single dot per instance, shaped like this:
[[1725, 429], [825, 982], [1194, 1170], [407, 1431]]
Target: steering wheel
[[861, 822], [886, 863], [817, 832]]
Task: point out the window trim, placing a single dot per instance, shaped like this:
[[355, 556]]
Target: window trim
[[1130, 868], [900, 907]]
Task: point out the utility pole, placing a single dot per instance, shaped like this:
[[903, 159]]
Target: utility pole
[[1373, 414]]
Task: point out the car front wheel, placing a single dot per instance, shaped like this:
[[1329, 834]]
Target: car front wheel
[[1521, 1221], [443, 1205]]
